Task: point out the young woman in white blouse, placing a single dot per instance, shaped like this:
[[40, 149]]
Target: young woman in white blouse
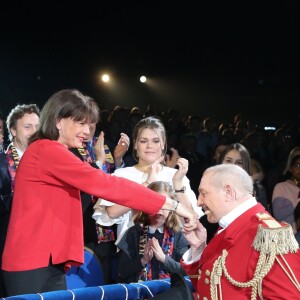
[[149, 150]]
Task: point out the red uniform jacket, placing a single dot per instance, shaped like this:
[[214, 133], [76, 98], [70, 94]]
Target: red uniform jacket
[[241, 262], [46, 218]]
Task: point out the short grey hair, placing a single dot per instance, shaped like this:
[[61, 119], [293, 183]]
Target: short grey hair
[[229, 173]]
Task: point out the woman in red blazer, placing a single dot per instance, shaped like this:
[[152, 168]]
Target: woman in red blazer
[[45, 234]]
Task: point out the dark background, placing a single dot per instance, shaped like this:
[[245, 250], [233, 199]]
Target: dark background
[[211, 58]]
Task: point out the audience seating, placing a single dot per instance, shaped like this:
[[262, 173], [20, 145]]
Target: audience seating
[[87, 275]]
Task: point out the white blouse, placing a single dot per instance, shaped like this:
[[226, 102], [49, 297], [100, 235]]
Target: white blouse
[[132, 173]]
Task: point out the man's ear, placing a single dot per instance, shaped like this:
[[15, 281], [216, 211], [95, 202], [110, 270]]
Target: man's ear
[[229, 192], [13, 131]]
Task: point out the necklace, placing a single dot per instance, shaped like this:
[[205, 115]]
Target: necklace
[[295, 181]]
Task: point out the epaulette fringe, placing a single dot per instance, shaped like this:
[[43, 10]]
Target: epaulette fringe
[[282, 236]]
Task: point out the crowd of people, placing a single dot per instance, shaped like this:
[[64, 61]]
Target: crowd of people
[[125, 184]]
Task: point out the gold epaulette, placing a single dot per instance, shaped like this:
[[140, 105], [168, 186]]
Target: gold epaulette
[[271, 232]]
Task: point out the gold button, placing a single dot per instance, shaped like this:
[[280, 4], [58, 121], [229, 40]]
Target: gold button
[[206, 280], [205, 298], [207, 272]]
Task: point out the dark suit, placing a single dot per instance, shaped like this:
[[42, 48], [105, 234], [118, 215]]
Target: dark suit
[[5, 207], [89, 226], [104, 250]]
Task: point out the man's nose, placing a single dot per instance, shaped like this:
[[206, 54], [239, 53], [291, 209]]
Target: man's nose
[[200, 201]]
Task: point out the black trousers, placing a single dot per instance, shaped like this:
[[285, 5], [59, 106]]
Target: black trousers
[[51, 278]]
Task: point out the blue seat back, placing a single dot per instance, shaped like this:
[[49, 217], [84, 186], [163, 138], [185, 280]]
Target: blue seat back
[[88, 275]]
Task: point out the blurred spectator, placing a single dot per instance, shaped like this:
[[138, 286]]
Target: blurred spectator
[[257, 174], [280, 172], [239, 155], [2, 139], [197, 162], [286, 194]]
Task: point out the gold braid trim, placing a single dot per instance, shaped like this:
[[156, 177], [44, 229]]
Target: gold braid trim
[[143, 239], [271, 241], [15, 154], [264, 264], [142, 244], [81, 151]]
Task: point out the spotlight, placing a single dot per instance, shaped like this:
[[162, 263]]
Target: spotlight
[[143, 79], [105, 78]]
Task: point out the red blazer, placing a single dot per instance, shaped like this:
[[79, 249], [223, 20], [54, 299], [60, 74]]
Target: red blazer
[[46, 217], [241, 262]]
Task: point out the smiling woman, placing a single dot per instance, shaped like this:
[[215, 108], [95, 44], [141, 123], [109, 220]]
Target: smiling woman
[[46, 216]]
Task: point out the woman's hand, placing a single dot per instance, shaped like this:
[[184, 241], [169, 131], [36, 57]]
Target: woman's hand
[[183, 166], [171, 161], [189, 216], [120, 149], [154, 170], [99, 148]]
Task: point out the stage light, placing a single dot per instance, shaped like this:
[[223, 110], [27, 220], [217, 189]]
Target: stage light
[[105, 78], [143, 79]]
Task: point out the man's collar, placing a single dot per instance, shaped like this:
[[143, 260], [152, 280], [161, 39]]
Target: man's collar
[[235, 213]]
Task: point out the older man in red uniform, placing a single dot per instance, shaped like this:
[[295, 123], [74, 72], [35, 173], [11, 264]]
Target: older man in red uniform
[[252, 256]]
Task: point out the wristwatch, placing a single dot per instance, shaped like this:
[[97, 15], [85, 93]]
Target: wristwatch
[[182, 190]]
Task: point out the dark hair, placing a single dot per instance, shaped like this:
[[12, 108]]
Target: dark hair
[[172, 221], [69, 103], [294, 159], [295, 151], [151, 123], [17, 113], [244, 154]]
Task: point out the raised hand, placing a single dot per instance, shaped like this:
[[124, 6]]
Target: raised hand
[[196, 237], [188, 215], [121, 148], [183, 166], [157, 250], [154, 170], [148, 253], [171, 161], [99, 148]]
